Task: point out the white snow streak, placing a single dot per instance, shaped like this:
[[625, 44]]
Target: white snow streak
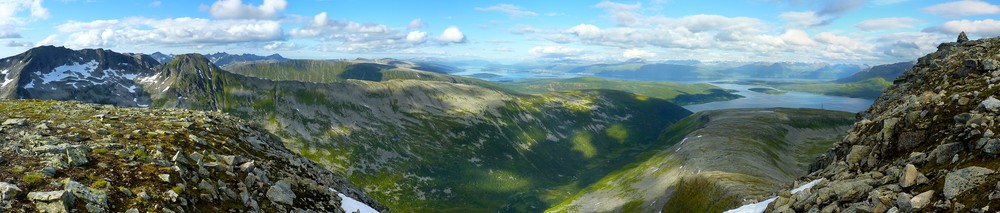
[[759, 207], [349, 204]]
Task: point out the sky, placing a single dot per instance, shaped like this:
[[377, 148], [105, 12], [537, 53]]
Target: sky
[[835, 31]]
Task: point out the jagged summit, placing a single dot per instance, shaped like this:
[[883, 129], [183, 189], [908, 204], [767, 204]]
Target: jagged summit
[[928, 144]]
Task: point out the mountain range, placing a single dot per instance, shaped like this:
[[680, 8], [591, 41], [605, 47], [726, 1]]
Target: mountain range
[[416, 139]]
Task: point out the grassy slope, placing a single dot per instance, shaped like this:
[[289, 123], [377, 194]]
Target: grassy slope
[[869, 89], [419, 146], [329, 71], [700, 171], [678, 93]]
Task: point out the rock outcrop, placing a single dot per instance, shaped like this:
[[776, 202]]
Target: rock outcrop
[[929, 142], [74, 157]]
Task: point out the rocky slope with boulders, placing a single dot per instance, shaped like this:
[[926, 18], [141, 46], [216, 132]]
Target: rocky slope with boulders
[[60, 156], [928, 144]]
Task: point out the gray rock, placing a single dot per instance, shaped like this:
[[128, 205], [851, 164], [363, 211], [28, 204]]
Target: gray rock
[[851, 191], [87, 194], [197, 140], [990, 64], [132, 210], [903, 201], [208, 187], [77, 156], [165, 178], [54, 201], [962, 37], [15, 122], [909, 177], [281, 192], [858, 153], [990, 104], [8, 191], [922, 199], [247, 167], [992, 146], [180, 158], [959, 181], [944, 152]]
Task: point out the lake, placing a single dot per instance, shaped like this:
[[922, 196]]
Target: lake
[[792, 99]]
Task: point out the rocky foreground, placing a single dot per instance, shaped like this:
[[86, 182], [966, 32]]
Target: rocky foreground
[[929, 143], [73, 157]]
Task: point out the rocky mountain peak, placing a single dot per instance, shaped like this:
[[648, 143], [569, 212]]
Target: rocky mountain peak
[[929, 143]]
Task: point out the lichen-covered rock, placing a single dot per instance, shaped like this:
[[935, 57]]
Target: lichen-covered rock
[[281, 192], [8, 191], [964, 179]]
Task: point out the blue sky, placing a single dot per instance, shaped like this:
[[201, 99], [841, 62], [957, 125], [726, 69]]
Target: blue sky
[[852, 31]]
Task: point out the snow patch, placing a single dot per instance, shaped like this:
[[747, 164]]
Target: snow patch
[[349, 204], [807, 185], [759, 207], [753, 207], [6, 78]]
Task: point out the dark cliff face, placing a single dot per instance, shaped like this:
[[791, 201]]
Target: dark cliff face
[[927, 144], [93, 75]]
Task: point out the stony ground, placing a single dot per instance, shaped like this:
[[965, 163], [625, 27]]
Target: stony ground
[[928, 144], [73, 157]]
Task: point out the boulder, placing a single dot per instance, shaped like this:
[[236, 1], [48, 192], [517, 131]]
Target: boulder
[[77, 156], [959, 181], [8, 191], [944, 152], [992, 146], [922, 199], [962, 37], [281, 192], [909, 177], [857, 154], [851, 191], [903, 201], [989, 105], [15, 122], [53, 201]]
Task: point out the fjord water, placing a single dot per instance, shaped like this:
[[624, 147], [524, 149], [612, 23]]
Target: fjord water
[[752, 99], [792, 99]]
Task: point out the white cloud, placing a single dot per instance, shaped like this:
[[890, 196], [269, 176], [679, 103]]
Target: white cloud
[[12, 14], [179, 31], [416, 24], [50, 40], [524, 29], [511, 10], [586, 31], [886, 23], [237, 10], [983, 28], [963, 8], [155, 3], [18, 44], [797, 37], [4, 35], [281, 45], [452, 35], [416, 37], [800, 18], [623, 14], [638, 53], [349, 36], [907, 46], [555, 51]]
